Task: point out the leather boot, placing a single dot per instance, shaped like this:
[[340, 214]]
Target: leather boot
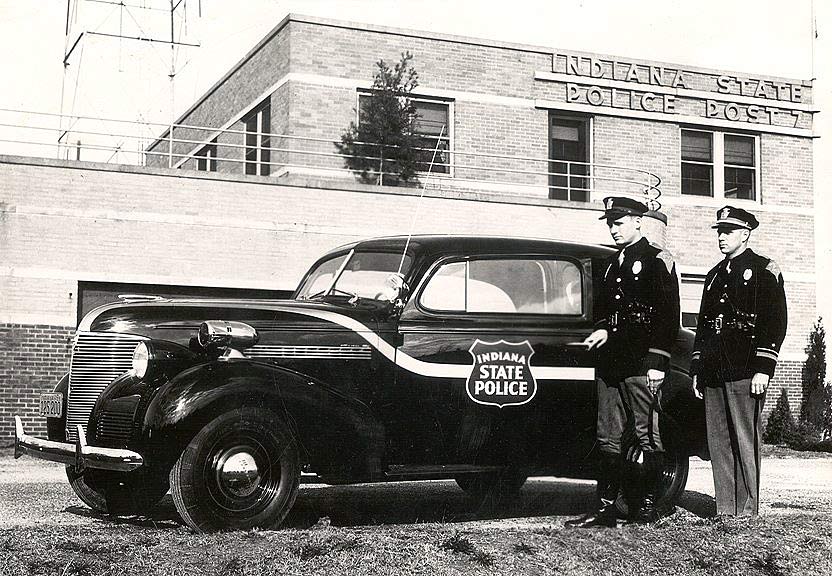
[[609, 482], [651, 474]]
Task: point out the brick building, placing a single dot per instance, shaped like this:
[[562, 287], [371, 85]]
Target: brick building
[[247, 190]]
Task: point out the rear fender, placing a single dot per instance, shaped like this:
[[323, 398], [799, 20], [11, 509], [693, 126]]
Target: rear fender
[[337, 434]]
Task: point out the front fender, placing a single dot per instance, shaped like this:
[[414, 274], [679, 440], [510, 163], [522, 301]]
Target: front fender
[[338, 434]]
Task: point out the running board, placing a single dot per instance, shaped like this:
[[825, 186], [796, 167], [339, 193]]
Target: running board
[[433, 472]]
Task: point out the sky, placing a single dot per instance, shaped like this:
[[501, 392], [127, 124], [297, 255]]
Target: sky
[[129, 80]]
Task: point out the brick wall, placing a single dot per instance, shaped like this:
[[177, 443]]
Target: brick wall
[[32, 360]]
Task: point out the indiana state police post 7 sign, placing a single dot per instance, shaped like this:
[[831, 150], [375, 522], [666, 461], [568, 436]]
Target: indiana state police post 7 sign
[[501, 375]]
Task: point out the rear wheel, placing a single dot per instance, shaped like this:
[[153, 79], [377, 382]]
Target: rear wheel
[[240, 471], [119, 493], [672, 483]]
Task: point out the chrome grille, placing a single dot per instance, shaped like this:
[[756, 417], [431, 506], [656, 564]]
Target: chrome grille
[[98, 358], [113, 429]]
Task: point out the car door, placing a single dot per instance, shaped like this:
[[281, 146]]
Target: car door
[[489, 365]]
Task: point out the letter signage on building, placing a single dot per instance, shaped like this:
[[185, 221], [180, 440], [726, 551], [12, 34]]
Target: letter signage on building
[[648, 90]]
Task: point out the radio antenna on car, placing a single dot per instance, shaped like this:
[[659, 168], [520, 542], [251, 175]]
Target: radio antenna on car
[[419, 202]]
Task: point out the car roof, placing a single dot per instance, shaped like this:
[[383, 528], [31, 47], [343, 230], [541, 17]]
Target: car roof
[[452, 244]]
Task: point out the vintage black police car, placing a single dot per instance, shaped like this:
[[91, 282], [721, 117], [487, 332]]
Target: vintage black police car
[[396, 359]]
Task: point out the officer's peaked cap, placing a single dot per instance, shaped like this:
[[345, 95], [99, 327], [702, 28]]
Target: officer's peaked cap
[[735, 217], [616, 206]]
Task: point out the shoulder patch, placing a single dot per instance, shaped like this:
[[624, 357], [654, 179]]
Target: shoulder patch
[[774, 269], [667, 258]]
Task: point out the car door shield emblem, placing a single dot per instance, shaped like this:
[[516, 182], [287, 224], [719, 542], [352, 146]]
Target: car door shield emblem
[[501, 375]]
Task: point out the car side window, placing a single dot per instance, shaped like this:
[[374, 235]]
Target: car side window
[[503, 285]]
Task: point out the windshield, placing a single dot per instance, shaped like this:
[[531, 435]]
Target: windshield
[[362, 274]]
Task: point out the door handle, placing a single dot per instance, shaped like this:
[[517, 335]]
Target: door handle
[[579, 345]]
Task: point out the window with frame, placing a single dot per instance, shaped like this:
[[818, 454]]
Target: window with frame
[[569, 157], [719, 164], [432, 125], [501, 285], [258, 140], [206, 157]]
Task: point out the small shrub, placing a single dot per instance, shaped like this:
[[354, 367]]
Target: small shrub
[[801, 436], [780, 422], [458, 545]]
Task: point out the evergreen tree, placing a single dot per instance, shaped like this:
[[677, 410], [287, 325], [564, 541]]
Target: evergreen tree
[[815, 410], [780, 422], [383, 146]]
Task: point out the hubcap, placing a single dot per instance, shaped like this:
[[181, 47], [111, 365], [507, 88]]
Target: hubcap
[[237, 473]]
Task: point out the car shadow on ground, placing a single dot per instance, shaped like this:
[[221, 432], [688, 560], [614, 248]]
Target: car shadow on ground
[[414, 503]]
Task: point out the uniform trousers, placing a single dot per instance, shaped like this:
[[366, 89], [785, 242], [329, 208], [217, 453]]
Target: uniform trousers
[[732, 416], [629, 399]]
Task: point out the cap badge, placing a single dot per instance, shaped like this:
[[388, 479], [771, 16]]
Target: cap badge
[[747, 274], [724, 214], [609, 203], [636, 266]]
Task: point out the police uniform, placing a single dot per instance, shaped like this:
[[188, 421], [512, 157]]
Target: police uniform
[[742, 324], [638, 305]]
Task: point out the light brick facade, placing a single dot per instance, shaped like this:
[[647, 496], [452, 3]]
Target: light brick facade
[[62, 223]]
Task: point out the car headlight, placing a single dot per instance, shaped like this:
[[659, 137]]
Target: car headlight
[[141, 359]]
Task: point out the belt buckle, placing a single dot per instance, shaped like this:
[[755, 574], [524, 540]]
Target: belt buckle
[[614, 320], [718, 324]]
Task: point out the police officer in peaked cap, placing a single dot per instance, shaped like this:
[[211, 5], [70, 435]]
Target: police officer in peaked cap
[[742, 324], [637, 321]]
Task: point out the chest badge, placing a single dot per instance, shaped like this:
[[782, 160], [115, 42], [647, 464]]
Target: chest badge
[[636, 266], [501, 375], [747, 274]]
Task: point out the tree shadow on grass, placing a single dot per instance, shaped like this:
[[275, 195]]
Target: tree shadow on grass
[[433, 501], [163, 515], [413, 503]]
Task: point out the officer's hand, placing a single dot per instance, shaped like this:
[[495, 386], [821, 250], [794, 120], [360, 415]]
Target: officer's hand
[[759, 383], [596, 339], [654, 380], [696, 391]]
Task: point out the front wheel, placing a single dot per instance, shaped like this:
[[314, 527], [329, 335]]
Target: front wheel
[[241, 471]]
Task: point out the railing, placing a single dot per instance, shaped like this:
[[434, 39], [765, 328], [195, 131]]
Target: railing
[[232, 150]]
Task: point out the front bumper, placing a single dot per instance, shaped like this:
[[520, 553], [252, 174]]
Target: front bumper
[[80, 454]]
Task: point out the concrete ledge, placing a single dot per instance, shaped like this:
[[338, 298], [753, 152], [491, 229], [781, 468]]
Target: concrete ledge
[[307, 181]]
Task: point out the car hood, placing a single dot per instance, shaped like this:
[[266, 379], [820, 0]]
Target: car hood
[[178, 320]]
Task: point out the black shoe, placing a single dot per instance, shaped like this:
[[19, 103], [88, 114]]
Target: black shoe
[[604, 517], [647, 512]]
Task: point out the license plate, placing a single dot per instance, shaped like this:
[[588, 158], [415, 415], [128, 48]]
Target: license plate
[[52, 405]]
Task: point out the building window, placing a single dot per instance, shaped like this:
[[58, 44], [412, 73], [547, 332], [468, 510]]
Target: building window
[[569, 155], [697, 163], [719, 165], [258, 140], [690, 295], [206, 158], [433, 126], [740, 174]]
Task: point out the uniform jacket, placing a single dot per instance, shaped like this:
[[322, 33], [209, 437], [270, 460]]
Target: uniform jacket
[[638, 305], [748, 288]]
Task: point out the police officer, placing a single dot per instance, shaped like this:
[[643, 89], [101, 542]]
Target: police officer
[[637, 314], [742, 324]]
